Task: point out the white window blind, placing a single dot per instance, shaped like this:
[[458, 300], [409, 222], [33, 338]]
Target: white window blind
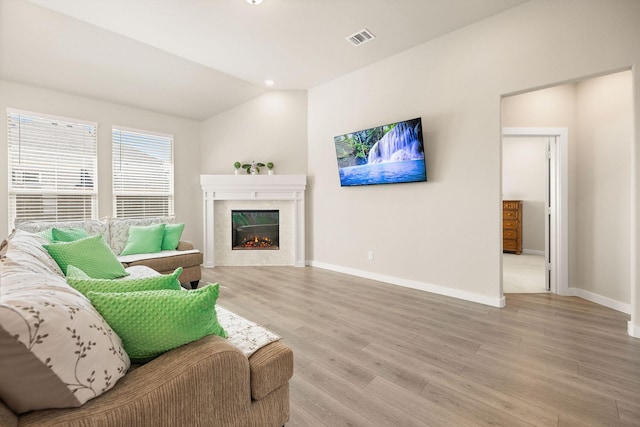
[[142, 174], [52, 168]]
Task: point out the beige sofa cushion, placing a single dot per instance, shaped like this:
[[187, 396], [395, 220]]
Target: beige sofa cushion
[[168, 262], [128, 259]]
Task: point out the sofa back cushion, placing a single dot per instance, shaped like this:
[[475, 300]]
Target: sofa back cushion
[[25, 250], [92, 226], [56, 351]]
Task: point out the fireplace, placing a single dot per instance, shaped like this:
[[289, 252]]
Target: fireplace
[[255, 229], [225, 194]]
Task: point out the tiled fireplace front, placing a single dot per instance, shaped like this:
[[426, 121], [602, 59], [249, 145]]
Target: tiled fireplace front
[[223, 235], [225, 194]]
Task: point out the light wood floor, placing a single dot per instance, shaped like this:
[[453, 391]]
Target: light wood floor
[[372, 354]]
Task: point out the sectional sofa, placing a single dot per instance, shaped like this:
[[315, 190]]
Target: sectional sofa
[[115, 232], [62, 364]]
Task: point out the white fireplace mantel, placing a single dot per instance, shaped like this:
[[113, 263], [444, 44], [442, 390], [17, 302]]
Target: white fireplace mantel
[[253, 187]]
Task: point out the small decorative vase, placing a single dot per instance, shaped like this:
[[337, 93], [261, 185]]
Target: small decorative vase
[[270, 172], [236, 171]]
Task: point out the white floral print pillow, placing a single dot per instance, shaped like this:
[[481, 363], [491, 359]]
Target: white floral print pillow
[[25, 250], [56, 351]]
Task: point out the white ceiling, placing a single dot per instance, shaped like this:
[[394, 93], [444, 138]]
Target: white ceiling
[[196, 58]]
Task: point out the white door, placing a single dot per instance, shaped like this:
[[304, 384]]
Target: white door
[[555, 211], [550, 206]]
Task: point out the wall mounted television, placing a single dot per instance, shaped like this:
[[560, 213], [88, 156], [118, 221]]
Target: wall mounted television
[[387, 154]]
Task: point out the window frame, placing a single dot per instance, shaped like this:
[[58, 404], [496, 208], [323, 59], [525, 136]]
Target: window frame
[[56, 187], [143, 193]]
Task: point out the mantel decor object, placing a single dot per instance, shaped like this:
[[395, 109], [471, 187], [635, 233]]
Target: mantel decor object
[[253, 168]]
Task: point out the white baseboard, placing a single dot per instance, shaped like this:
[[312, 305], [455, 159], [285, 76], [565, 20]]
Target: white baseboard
[[633, 330], [413, 284], [532, 252], [599, 299]]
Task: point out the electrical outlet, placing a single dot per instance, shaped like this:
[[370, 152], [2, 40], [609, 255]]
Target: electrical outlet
[[370, 255]]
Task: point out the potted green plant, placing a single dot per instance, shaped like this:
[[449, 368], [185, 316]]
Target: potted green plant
[[237, 166], [270, 167], [253, 168]]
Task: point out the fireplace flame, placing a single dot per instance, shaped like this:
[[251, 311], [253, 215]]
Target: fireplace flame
[[258, 242]]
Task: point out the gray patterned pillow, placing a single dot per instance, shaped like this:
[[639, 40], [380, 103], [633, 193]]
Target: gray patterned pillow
[[56, 351], [93, 226]]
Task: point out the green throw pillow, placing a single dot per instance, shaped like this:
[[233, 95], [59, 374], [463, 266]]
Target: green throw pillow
[[91, 255], [46, 234], [68, 234], [152, 322], [144, 239], [172, 234], [151, 283], [74, 272]]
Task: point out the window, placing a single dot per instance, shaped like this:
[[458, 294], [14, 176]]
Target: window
[[52, 168], [142, 173]]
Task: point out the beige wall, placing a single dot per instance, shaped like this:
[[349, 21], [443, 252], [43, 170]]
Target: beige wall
[[188, 205], [603, 194], [598, 114], [269, 128], [446, 232], [549, 107]]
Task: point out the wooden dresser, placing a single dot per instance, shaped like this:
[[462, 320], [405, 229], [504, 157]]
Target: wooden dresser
[[512, 226]]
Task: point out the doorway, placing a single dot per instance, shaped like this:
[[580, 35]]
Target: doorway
[[599, 113], [537, 158]]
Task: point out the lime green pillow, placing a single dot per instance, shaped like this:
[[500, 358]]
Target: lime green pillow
[[79, 280], [46, 234], [144, 239], [152, 322], [172, 234], [91, 255], [74, 272], [68, 234]]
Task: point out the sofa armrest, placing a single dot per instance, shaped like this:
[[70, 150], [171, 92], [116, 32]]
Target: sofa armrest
[[185, 245], [7, 417], [205, 380], [271, 368]]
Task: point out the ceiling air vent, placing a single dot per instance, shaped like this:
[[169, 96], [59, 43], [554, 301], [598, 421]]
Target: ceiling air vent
[[360, 37]]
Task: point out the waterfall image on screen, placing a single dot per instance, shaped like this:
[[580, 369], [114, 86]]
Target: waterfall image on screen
[[386, 154]]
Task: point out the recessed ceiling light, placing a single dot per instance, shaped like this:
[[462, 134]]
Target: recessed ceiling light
[[254, 2], [269, 82]]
